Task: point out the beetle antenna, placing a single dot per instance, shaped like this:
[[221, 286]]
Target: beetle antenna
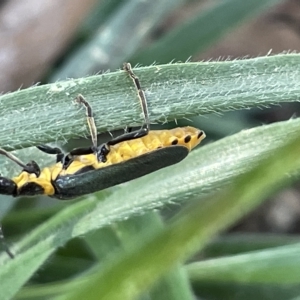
[[4, 244], [141, 93], [90, 119], [13, 158]]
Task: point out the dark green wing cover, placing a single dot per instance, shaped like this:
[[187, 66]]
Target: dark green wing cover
[[72, 186]]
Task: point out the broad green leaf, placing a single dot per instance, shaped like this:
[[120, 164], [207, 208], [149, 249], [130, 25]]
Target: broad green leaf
[[46, 114]]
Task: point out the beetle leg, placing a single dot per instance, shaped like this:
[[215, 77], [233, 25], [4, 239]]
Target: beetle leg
[[12, 157], [52, 150], [104, 149], [68, 158], [49, 150], [81, 151], [141, 93], [31, 167], [90, 119], [128, 129]]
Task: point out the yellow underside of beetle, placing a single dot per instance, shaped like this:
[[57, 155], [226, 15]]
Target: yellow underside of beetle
[[133, 148]]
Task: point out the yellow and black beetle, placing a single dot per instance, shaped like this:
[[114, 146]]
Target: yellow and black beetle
[[87, 170]]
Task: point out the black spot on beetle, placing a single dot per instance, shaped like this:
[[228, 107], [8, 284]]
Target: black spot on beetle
[[187, 138], [200, 134]]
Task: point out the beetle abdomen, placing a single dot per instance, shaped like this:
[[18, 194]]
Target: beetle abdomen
[[188, 137]]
